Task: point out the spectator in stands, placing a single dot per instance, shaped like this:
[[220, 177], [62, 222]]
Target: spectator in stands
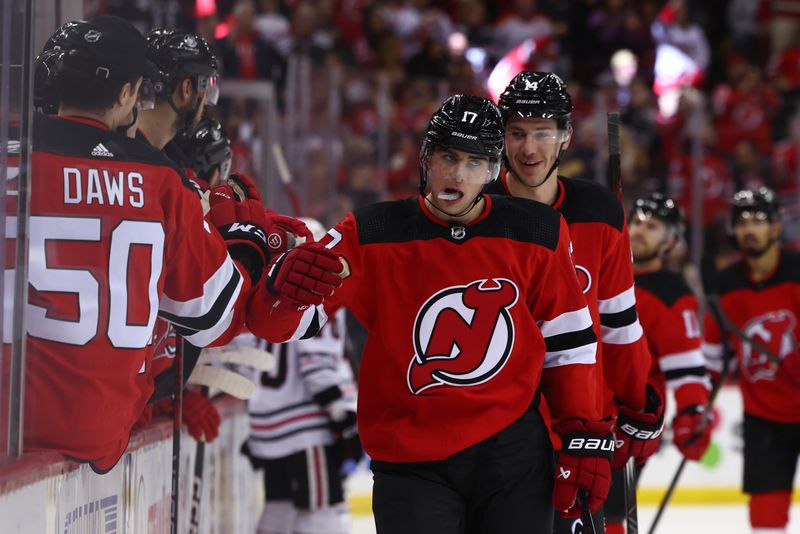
[[743, 108], [782, 20], [522, 21], [244, 53], [271, 24], [682, 54]]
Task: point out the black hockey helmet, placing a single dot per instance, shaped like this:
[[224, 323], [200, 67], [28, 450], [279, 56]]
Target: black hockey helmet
[[45, 95], [207, 147], [464, 122], [662, 208], [101, 49], [180, 55], [537, 95], [761, 200]]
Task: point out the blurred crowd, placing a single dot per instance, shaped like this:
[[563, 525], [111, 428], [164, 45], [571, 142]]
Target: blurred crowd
[[706, 88]]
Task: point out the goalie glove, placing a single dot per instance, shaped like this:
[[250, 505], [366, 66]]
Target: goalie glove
[[304, 276], [638, 434], [583, 463]]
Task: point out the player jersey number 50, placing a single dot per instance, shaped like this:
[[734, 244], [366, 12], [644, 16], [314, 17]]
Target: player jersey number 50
[[44, 231]]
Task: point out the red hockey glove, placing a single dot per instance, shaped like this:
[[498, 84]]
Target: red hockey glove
[[244, 187], [638, 434], [692, 431], [242, 225], [584, 462], [200, 416], [304, 276], [790, 368], [284, 232]]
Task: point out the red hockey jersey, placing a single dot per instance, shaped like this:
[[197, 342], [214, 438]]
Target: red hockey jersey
[[603, 263], [768, 312], [668, 313], [117, 238], [465, 323]]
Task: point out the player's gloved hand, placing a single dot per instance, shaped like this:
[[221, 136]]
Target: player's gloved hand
[[638, 434], [790, 368], [244, 187], [584, 462], [200, 416], [284, 233], [255, 462], [343, 422], [304, 276], [691, 430], [242, 224]]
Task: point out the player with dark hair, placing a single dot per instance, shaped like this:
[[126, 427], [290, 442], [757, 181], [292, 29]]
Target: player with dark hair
[[760, 294], [187, 83], [101, 202], [473, 309], [668, 313], [208, 151], [537, 112]]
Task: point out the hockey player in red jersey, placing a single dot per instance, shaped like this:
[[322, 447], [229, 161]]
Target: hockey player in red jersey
[[668, 313], [760, 294], [100, 203], [303, 428], [537, 111], [472, 308]]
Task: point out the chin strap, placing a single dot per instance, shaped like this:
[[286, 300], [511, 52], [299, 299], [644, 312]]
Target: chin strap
[[124, 127]]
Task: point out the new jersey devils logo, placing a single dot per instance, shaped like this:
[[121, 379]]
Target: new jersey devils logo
[[774, 330], [463, 335], [584, 278]]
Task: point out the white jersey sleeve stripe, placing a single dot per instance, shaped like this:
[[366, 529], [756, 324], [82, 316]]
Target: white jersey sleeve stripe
[[713, 353], [618, 303], [682, 360], [198, 312], [314, 318], [585, 354], [622, 335], [566, 322]]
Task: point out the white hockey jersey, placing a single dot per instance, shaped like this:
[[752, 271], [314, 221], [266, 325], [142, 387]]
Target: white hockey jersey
[[284, 418]]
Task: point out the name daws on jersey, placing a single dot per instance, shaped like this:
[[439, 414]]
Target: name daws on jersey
[[103, 187]]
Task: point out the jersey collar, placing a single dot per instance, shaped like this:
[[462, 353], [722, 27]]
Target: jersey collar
[[85, 120], [487, 207]]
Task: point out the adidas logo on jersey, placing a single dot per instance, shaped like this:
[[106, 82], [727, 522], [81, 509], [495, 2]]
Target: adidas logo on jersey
[[102, 151]]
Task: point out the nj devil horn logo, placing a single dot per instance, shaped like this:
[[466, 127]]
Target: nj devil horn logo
[[774, 330], [463, 335]]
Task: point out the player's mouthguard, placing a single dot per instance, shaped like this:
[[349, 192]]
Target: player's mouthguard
[[449, 195]]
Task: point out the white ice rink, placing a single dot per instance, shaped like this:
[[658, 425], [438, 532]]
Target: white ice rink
[[699, 519]]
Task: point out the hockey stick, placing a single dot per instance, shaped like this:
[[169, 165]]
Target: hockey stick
[[586, 512], [726, 324], [615, 183], [286, 177], [197, 480], [177, 412], [614, 165], [715, 309], [631, 506]]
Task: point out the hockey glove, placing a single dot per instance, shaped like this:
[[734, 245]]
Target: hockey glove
[[304, 276], [790, 368], [638, 434], [244, 187], [284, 233], [584, 462], [242, 225], [692, 431], [200, 416], [343, 423]]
